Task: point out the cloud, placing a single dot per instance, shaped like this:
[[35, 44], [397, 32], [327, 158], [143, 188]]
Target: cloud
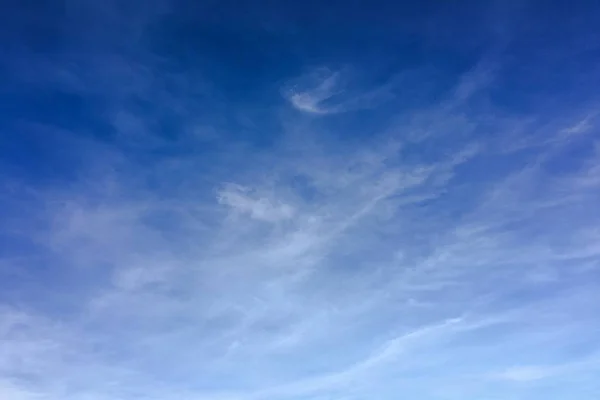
[[241, 200], [309, 99], [533, 373], [325, 92], [526, 373]]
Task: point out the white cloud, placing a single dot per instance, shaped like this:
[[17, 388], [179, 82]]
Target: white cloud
[[325, 92], [309, 100], [242, 200]]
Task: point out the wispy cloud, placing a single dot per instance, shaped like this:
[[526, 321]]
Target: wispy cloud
[[243, 201], [309, 99], [326, 92], [526, 373]]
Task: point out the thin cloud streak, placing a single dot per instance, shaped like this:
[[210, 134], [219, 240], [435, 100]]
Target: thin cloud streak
[[324, 92]]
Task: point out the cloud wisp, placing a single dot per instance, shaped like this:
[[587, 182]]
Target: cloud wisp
[[324, 92]]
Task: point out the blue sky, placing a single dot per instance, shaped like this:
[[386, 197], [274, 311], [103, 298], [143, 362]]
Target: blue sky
[[221, 200]]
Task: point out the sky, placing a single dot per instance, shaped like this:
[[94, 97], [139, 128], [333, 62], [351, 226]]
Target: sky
[[311, 200]]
